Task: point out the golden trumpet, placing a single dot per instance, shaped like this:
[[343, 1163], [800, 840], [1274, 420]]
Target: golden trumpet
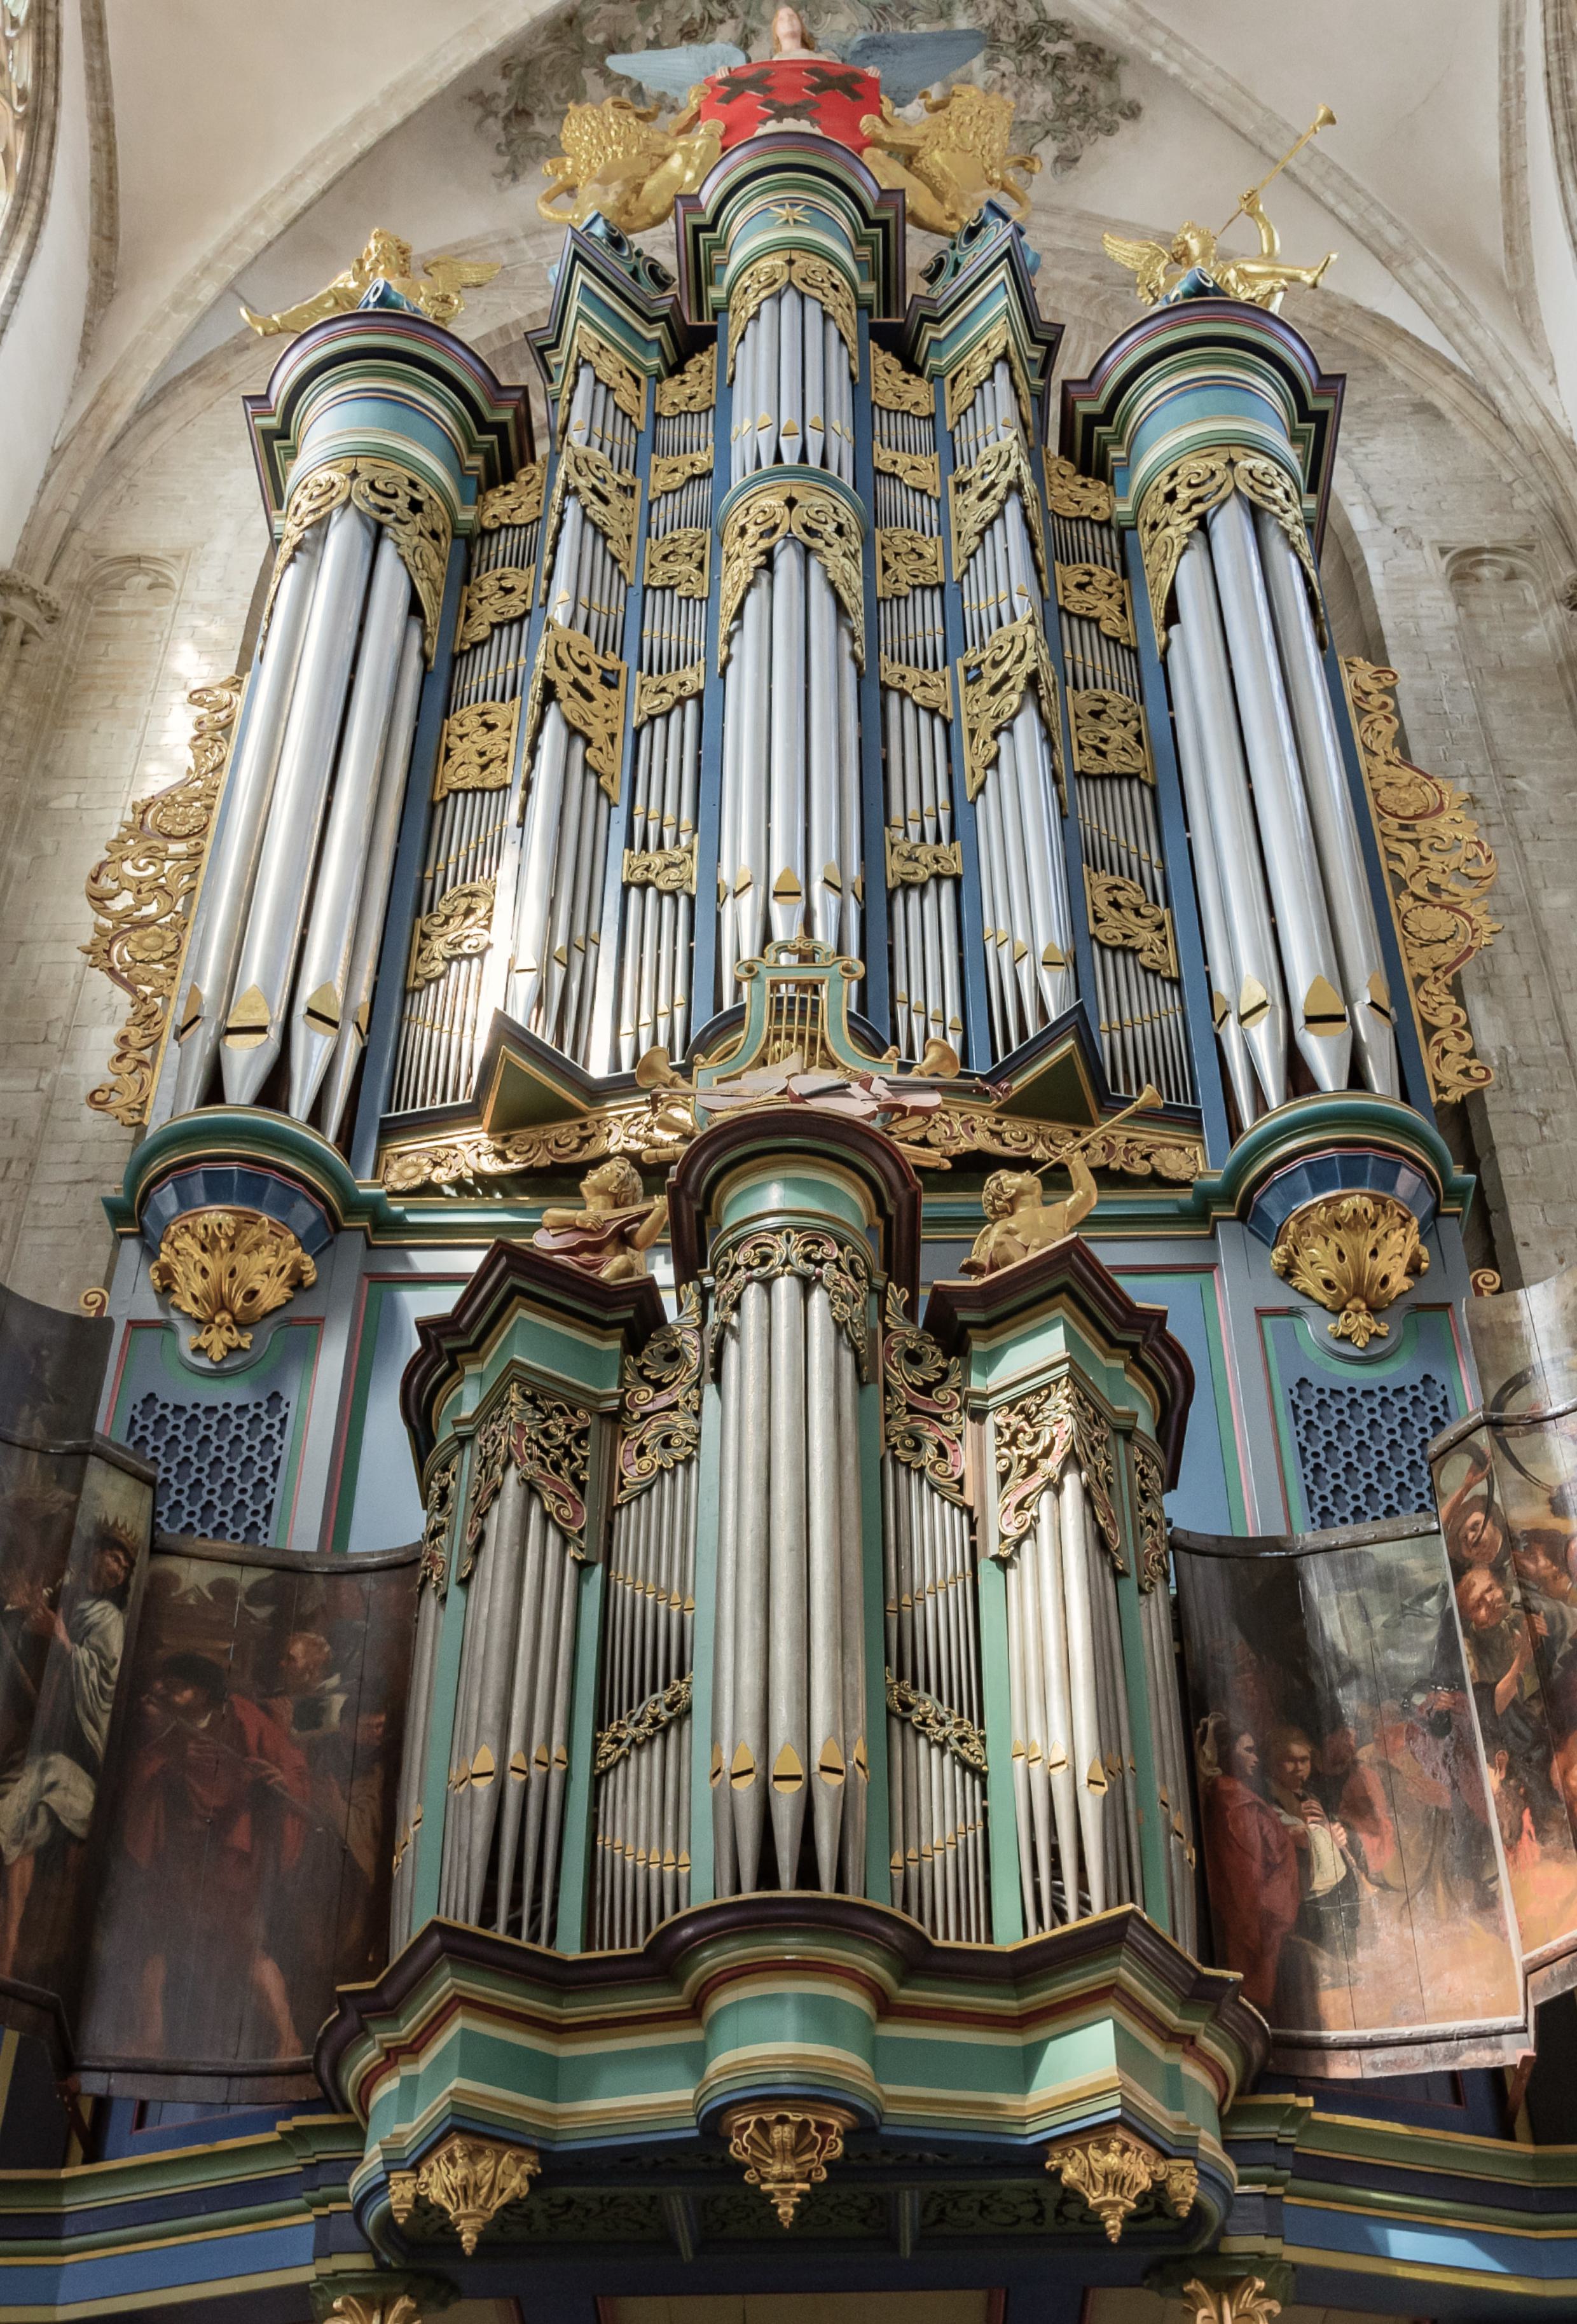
[[1150, 1095], [1323, 119]]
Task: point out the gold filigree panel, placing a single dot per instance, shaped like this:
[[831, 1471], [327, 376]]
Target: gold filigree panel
[[504, 595], [693, 389], [589, 688], [669, 870], [660, 691], [669, 470], [1121, 915], [624, 383], [408, 510], [1068, 493], [1185, 493], [1036, 1435], [920, 471], [965, 381], [477, 750], [978, 495], [1097, 594], [519, 501], [680, 560], [808, 513], [932, 689], [897, 390], [1109, 734], [139, 891], [458, 928], [611, 498], [906, 561], [993, 682], [911, 862], [817, 278]]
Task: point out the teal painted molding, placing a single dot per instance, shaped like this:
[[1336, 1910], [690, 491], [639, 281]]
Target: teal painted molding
[[1313, 1125]]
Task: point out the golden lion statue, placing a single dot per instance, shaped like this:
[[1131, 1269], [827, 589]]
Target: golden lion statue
[[949, 164], [616, 161]]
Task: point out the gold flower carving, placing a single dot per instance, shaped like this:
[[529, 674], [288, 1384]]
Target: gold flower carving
[[228, 1269], [1352, 1253]]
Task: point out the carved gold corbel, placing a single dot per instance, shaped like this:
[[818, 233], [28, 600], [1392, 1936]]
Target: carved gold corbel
[[785, 2151], [470, 2180], [1354, 1254], [1114, 2170], [228, 1269], [1238, 2299]]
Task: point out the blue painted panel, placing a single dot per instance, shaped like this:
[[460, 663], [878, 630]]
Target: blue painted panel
[[1208, 1498], [380, 1476]]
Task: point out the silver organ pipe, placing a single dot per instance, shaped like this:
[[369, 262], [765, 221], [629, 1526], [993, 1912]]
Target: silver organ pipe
[[454, 984], [1023, 901], [1167, 1729], [789, 1679], [1143, 1030], [1215, 922], [432, 1581]]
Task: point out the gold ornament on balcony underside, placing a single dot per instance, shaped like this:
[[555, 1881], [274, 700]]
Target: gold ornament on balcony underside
[[786, 2151], [1352, 1253], [228, 1269], [1115, 2170], [469, 2180], [435, 292]]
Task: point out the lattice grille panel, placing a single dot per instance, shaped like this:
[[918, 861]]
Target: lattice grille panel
[[219, 1462], [1361, 1449]]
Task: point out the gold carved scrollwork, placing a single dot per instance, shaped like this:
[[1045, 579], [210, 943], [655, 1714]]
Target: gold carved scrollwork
[[228, 1269], [1035, 1436], [504, 595], [433, 1567], [610, 497], [1149, 1484], [897, 390], [1440, 871], [922, 1393], [478, 748], [469, 2180], [659, 1416], [1114, 2172], [1244, 2299], [589, 690], [657, 1130], [950, 1729], [952, 161], [906, 561], [694, 389], [969, 376], [816, 1254], [816, 277], [921, 471], [408, 510], [911, 862], [809, 512], [548, 1441], [978, 494], [1097, 594], [1109, 734], [519, 501], [931, 688], [669, 870], [786, 2151], [1123, 916], [1352, 1253], [139, 891], [993, 682], [669, 470], [1068, 493], [383, 2305], [624, 383], [622, 1736], [656, 694], [458, 928], [680, 560], [1186, 492]]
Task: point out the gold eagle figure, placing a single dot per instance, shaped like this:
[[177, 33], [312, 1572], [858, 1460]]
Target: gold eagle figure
[[435, 292]]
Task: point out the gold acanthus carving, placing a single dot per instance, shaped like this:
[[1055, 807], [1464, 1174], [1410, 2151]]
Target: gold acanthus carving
[[1068, 493], [808, 513], [1115, 2170], [469, 2180], [680, 560], [1440, 870], [993, 680], [835, 1262], [1242, 2299], [786, 2151], [433, 1566], [548, 1442], [1109, 734], [618, 160], [1122, 917], [932, 689], [1095, 594], [477, 751], [671, 871], [657, 693], [408, 510], [669, 470], [611, 498], [1185, 493], [624, 383], [897, 390], [458, 928], [1035, 1436], [905, 560], [435, 292], [1149, 1485], [228, 1269], [139, 891], [519, 501], [911, 862], [817, 278], [921, 471], [504, 594], [971, 371], [948, 1728], [622, 1736], [922, 1399], [977, 494], [952, 161], [694, 389], [660, 1409], [589, 687], [387, 2308], [1354, 1254]]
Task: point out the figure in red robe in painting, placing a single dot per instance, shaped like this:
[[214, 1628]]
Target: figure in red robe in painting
[[215, 1810], [1250, 1864]]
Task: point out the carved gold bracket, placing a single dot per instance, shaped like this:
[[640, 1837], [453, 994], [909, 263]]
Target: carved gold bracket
[[905, 560], [469, 2180], [1115, 2170], [408, 510], [655, 692], [1186, 492], [1440, 870], [912, 863], [1109, 734], [228, 1269], [519, 501], [1352, 1253], [920, 471], [1122, 916], [680, 560], [1068, 493], [504, 594], [1242, 2300], [588, 686], [669, 870], [458, 928], [897, 390], [139, 891], [693, 389], [669, 470], [786, 2151], [932, 689], [1094, 592]]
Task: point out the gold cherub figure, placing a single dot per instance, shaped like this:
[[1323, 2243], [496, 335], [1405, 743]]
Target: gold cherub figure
[[435, 292], [1158, 268], [1019, 1221], [611, 1235]]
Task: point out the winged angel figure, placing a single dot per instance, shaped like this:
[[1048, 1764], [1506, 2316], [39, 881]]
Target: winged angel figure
[[618, 159], [1191, 266], [435, 293]]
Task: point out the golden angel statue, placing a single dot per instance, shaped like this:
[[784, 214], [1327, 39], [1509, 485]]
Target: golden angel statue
[[435, 292], [1193, 265]]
